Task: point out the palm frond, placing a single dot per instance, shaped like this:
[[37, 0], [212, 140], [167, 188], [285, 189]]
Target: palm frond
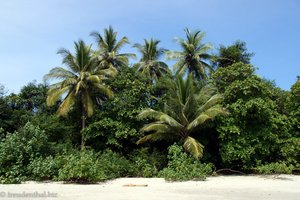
[[200, 119], [105, 90], [69, 60], [214, 100], [59, 73], [96, 35], [156, 126], [206, 92], [174, 55], [216, 111], [127, 55], [194, 147], [155, 137], [55, 93], [110, 72], [67, 104], [180, 68], [120, 44], [159, 116]]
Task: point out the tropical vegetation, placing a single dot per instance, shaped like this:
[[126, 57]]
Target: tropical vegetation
[[149, 64], [102, 115]]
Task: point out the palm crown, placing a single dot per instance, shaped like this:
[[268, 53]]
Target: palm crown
[[185, 112], [193, 55], [149, 63], [108, 49]]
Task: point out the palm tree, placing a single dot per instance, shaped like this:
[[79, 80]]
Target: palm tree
[[149, 64], [193, 55], [108, 49], [185, 113], [234, 53], [78, 81]]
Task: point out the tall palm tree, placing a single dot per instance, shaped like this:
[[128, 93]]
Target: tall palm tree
[[185, 113], [78, 81], [149, 64], [108, 49], [193, 56]]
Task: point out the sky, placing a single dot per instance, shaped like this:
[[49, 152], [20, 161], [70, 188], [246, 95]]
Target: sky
[[31, 31]]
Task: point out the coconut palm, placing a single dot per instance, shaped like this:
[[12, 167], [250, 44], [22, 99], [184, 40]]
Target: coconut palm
[[185, 113], [108, 49], [234, 53], [193, 56], [149, 64], [78, 81]]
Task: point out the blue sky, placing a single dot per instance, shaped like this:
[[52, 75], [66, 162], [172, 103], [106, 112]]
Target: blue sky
[[31, 31]]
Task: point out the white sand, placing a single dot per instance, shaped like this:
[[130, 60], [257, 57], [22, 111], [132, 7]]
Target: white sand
[[283, 187]]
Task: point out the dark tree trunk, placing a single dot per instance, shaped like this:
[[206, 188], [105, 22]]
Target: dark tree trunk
[[82, 127]]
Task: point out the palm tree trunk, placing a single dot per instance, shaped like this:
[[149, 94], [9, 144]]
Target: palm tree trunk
[[82, 127]]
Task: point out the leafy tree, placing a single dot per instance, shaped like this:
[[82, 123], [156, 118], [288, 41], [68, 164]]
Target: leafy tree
[[291, 147], [234, 53], [78, 81], [2, 90], [108, 49], [114, 124], [13, 114], [5, 112], [149, 64], [254, 133], [295, 92], [185, 113], [33, 98], [193, 56]]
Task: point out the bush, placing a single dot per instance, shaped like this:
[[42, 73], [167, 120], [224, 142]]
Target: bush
[[143, 168], [1, 133], [114, 165], [18, 149], [88, 166], [45, 168], [16, 174], [183, 167], [290, 151], [81, 167], [275, 168], [146, 163]]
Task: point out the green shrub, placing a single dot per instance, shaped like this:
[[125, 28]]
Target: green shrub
[[16, 174], [18, 149], [45, 168], [183, 167], [88, 166], [290, 151], [275, 168], [113, 165], [81, 167], [146, 163], [1, 133], [143, 168]]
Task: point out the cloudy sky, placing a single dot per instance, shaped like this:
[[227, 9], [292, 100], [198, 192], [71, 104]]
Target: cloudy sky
[[31, 31]]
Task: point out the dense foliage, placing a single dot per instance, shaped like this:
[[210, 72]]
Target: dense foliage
[[219, 112], [182, 166], [256, 131]]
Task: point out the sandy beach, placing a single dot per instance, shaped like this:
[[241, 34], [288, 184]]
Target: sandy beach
[[220, 187]]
